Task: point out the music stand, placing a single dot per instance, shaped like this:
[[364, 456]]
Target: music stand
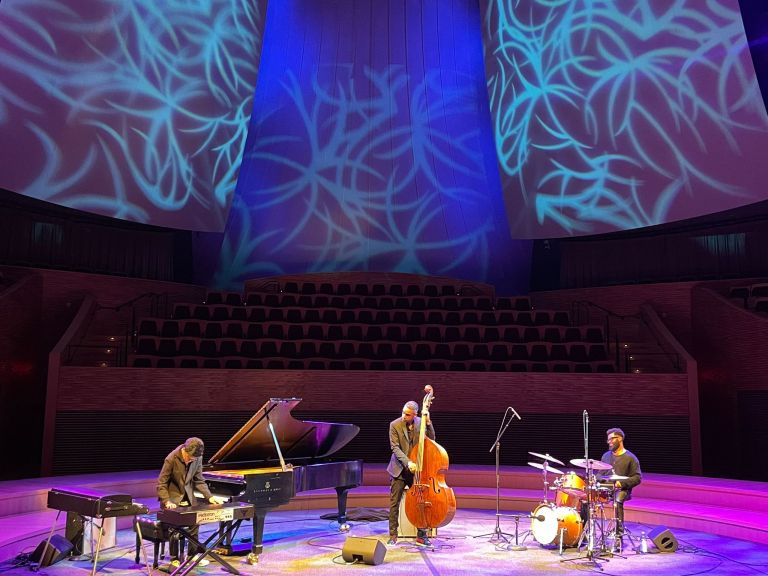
[[498, 535]]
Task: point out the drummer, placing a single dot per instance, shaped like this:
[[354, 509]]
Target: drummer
[[625, 465]]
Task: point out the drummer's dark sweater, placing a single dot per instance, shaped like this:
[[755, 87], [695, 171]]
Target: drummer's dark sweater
[[625, 465]]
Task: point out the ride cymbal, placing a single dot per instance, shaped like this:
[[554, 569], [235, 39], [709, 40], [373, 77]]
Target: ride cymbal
[[591, 463]]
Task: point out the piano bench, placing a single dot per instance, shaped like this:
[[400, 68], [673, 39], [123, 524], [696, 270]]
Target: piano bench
[[152, 530]]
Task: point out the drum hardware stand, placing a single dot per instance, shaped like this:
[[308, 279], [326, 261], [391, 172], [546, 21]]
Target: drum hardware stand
[[498, 535], [592, 555]]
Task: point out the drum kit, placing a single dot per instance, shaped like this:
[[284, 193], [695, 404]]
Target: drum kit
[[578, 509]]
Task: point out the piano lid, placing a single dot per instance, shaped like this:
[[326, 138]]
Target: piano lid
[[299, 440]]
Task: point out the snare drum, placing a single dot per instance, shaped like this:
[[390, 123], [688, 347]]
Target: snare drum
[[549, 521], [570, 490]]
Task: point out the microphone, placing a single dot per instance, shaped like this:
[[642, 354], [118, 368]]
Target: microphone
[[586, 415], [514, 413], [540, 517]]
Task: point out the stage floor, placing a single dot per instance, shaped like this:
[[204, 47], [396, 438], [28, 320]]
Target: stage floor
[[300, 542]]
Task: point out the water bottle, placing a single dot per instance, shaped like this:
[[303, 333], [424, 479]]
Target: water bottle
[[643, 543]]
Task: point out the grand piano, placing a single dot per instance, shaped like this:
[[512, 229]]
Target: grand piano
[[273, 457]]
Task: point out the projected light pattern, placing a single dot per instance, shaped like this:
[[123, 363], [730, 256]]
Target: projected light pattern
[[137, 110], [616, 114], [371, 165]]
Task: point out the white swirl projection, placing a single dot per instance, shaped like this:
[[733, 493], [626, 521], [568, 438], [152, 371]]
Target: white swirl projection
[[133, 109], [619, 114], [370, 148]]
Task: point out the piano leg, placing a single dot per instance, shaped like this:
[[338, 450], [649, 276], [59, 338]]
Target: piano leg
[[341, 497], [257, 546]]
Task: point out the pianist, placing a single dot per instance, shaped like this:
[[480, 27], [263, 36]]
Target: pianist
[[181, 475]]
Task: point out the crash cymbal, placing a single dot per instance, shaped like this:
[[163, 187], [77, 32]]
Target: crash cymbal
[[541, 467], [590, 463], [615, 477], [547, 457]]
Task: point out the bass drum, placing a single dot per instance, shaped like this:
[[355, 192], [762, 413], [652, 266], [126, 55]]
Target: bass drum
[[548, 521]]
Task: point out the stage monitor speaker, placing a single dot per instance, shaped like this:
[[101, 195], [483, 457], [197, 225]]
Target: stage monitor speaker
[[663, 539], [365, 550], [57, 549]]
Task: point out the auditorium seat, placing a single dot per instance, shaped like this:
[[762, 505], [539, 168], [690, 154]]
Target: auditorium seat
[[166, 347], [201, 312], [257, 314], [577, 352], [188, 347], [538, 352], [233, 363], [229, 348], [354, 332], [552, 334], [208, 348], [191, 328], [511, 334], [187, 362], [213, 330], [233, 330], [220, 313], [249, 349], [531, 334], [238, 313], [561, 318], [181, 311], [170, 329], [268, 348], [558, 352], [758, 290], [254, 299], [604, 367]]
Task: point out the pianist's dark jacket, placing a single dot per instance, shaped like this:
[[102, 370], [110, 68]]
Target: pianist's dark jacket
[[176, 483]]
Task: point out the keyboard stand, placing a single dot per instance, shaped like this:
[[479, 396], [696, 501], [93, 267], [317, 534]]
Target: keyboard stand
[[192, 560]]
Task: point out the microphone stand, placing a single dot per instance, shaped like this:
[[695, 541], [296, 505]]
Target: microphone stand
[[590, 554], [498, 535]]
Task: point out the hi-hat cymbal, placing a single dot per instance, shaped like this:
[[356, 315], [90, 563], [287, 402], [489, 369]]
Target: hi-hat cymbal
[[615, 477], [547, 457], [542, 467], [590, 463]]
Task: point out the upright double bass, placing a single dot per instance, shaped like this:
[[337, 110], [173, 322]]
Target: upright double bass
[[430, 502]]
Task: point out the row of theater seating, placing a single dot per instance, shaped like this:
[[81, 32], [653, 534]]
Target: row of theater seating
[[346, 288], [283, 300], [380, 350], [366, 364], [354, 331], [370, 316]]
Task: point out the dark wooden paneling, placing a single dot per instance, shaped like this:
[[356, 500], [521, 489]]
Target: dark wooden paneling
[[115, 441]]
